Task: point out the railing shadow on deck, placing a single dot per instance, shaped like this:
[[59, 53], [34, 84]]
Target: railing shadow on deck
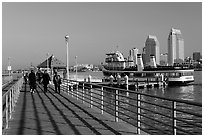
[[81, 118], [148, 113], [89, 114], [41, 102]]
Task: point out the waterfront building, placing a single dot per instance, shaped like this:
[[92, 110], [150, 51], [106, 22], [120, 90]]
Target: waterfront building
[[175, 47], [196, 56], [143, 55], [152, 48], [163, 59], [133, 57]]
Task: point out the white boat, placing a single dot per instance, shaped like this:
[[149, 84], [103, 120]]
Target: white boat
[[115, 64]]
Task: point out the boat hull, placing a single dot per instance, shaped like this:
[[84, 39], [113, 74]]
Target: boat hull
[[171, 80], [180, 83]]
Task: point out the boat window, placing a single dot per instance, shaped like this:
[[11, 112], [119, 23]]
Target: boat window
[[137, 74], [166, 74], [180, 74], [177, 74], [172, 74], [131, 74], [150, 74]]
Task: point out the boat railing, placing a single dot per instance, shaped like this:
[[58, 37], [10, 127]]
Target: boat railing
[[148, 113], [9, 100], [85, 78]]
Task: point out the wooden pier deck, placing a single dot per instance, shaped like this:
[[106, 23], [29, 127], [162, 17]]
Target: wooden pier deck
[[51, 113]]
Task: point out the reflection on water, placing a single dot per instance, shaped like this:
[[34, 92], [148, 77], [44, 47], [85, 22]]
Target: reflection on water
[[187, 93]]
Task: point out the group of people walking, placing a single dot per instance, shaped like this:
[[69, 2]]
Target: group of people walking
[[42, 78]]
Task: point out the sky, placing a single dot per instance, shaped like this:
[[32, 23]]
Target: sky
[[31, 30]]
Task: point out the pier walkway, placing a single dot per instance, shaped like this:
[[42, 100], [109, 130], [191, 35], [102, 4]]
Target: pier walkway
[[51, 113]]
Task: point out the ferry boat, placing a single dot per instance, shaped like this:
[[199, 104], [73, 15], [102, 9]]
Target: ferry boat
[[116, 64]]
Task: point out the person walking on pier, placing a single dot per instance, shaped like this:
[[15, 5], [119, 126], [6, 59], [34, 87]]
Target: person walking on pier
[[45, 80], [57, 82], [32, 81], [39, 76], [25, 78]]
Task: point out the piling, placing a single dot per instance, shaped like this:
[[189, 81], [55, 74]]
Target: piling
[[111, 80], [126, 84]]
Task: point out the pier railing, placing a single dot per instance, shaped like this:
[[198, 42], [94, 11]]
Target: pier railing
[[148, 113], [6, 80], [85, 78], [9, 100]]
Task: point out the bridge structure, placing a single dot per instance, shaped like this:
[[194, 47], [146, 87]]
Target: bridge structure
[[83, 108]]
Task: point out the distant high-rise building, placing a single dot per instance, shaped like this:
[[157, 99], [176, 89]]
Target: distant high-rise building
[[163, 59], [152, 48], [133, 56], [196, 56], [143, 55], [175, 47]]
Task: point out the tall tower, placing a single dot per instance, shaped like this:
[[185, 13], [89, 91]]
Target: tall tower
[[175, 47], [133, 55], [152, 48]]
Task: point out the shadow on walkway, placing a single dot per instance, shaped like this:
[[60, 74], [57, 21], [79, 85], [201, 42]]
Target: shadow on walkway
[[42, 113]]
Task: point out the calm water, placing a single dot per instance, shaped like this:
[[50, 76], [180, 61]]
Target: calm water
[[191, 92]]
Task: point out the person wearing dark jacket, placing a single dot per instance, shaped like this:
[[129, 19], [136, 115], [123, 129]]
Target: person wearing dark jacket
[[45, 80], [39, 76], [57, 82], [32, 81]]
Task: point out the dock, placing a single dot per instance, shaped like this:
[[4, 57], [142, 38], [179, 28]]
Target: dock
[[134, 85], [51, 113]]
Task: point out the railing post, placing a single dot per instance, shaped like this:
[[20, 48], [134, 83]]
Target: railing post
[[83, 92], [101, 100], [16, 94], [89, 78], [91, 99], [67, 86], [126, 84], [137, 84], [7, 117], [72, 90], [173, 117], [10, 103], [138, 114], [77, 90], [18, 91], [13, 104], [118, 80], [147, 81], [111, 80], [116, 105]]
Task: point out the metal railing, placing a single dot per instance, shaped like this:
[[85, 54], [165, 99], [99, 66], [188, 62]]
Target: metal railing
[[6, 80], [85, 78], [9, 100], [148, 113]]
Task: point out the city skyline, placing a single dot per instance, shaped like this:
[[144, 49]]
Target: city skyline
[[31, 30]]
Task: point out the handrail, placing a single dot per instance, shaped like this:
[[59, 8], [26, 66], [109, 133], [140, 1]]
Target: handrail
[[9, 100], [167, 116]]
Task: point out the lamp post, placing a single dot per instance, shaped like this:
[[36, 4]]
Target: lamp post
[[67, 43], [76, 67], [9, 68]]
